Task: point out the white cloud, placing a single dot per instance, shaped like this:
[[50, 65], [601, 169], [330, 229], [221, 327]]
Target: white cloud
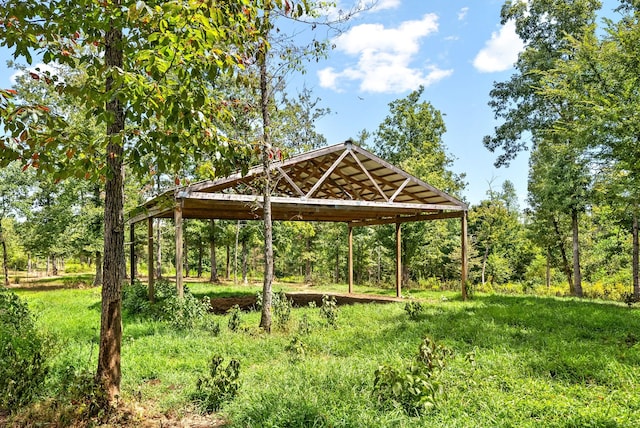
[[463, 13], [501, 51], [384, 57]]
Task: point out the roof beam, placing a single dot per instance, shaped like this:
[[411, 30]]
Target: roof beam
[[368, 176], [290, 181], [315, 202], [397, 192], [326, 174], [419, 217]]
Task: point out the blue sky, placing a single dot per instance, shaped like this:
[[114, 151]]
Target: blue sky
[[455, 48]]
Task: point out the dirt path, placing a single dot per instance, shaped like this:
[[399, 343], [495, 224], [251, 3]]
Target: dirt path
[[300, 298]]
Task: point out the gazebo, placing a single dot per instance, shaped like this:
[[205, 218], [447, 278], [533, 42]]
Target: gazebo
[[339, 183]]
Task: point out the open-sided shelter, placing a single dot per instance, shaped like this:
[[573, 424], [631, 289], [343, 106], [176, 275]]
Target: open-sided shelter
[[339, 183]]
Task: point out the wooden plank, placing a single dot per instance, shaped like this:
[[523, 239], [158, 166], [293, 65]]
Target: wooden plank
[[317, 202], [350, 267], [463, 248], [150, 213], [398, 259], [369, 176], [408, 219], [290, 181], [226, 182], [397, 192], [406, 175], [326, 174]]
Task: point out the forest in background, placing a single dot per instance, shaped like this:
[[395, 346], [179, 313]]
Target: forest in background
[[571, 102]]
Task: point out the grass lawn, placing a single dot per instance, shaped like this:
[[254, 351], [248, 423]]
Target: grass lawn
[[516, 361]]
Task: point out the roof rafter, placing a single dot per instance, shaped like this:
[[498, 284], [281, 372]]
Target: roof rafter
[[342, 182]]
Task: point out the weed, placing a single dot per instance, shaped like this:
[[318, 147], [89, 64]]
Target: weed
[[414, 309], [234, 318], [186, 312], [182, 313], [304, 326], [296, 348], [329, 310], [281, 306], [219, 387], [413, 388]]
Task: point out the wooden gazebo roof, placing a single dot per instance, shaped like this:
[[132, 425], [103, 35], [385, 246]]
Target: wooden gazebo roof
[[341, 183]]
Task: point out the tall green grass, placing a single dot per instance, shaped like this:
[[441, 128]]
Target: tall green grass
[[518, 361]]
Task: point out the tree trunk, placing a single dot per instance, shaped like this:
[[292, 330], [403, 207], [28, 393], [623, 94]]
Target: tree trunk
[[54, 266], [636, 256], [563, 253], [159, 250], [200, 254], [228, 268], [307, 262], [244, 261], [548, 269], [267, 153], [485, 256], [577, 276], [109, 370], [5, 259], [97, 281], [336, 271], [212, 249]]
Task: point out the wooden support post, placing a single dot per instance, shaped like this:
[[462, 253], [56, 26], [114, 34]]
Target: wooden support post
[[398, 259], [350, 260], [150, 256], [463, 255], [132, 252], [177, 216]]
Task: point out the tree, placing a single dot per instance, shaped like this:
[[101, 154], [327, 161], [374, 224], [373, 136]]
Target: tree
[[411, 137], [499, 236], [526, 114], [275, 57], [14, 186], [601, 81], [149, 70]]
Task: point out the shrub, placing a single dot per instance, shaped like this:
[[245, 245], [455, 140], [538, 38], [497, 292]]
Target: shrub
[[182, 313], [304, 326], [76, 268], [296, 348], [135, 298], [413, 388], [329, 310], [23, 364], [219, 387], [234, 318], [281, 306], [413, 309], [186, 312]]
